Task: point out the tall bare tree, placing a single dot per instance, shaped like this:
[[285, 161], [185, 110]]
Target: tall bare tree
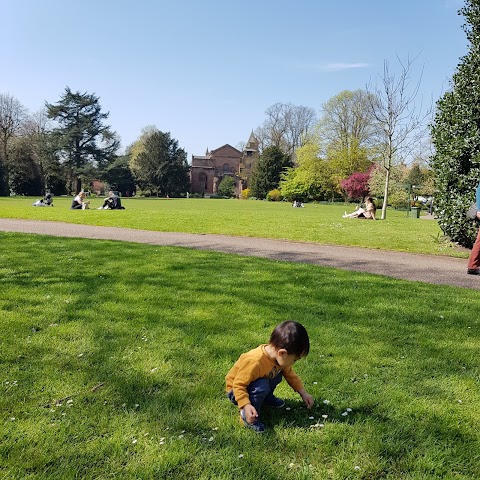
[[12, 116], [346, 119], [287, 127], [401, 122], [36, 130]]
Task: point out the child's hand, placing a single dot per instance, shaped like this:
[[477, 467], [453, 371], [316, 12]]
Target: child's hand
[[251, 413], [307, 398]]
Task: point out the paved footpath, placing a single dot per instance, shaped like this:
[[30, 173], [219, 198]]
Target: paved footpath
[[433, 269]]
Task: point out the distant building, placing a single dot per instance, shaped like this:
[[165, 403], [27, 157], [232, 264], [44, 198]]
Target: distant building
[[207, 171]]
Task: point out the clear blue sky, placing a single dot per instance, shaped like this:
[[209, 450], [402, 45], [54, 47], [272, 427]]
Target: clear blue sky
[[206, 70]]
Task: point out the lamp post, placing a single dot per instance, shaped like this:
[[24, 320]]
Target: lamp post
[[409, 202], [408, 199]]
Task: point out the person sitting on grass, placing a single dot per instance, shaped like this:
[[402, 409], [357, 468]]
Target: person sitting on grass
[[46, 201], [252, 380], [368, 212], [112, 202], [79, 201]]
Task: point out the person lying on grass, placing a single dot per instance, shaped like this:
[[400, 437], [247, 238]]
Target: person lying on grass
[[252, 380]]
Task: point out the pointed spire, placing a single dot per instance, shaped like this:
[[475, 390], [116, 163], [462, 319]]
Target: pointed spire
[[252, 138]]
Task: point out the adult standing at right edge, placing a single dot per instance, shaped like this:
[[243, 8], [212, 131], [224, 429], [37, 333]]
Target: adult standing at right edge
[[474, 260]]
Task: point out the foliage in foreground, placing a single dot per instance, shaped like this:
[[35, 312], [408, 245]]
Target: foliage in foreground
[[113, 359], [456, 136]]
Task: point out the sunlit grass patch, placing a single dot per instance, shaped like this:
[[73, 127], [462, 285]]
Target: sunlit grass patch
[[319, 223], [113, 358]]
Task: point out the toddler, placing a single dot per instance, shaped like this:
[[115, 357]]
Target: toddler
[[251, 382]]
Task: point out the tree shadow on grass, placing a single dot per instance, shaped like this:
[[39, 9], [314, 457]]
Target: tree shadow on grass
[[198, 311]]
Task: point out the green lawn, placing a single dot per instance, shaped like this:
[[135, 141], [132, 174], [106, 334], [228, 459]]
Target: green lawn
[[113, 357], [314, 223]]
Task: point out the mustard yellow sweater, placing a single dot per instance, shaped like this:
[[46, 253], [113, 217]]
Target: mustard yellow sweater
[[253, 365]]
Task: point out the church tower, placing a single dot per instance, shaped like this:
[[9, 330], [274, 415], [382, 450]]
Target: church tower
[[249, 158]]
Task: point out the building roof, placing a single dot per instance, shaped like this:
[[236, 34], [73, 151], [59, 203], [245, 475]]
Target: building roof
[[227, 145]]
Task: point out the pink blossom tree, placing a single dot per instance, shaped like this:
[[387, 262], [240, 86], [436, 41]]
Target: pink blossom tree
[[356, 185]]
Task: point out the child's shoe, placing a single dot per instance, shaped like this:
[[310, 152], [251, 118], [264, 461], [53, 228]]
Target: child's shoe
[[256, 426], [274, 402]]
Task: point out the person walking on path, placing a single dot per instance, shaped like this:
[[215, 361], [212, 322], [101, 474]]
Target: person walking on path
[[474, 260]]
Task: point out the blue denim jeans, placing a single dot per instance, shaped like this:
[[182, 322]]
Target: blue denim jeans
[[259, 391]]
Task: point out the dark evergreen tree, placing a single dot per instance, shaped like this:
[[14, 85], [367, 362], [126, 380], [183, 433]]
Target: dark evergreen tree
[[82, 138], [24, 173], [52, 172], [119, 176], [456, 137], [162, 166], [416, 176], [227, 187], [268, 170]]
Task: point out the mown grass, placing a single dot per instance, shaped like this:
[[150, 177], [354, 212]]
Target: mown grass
[[314, 223], [113, 357]]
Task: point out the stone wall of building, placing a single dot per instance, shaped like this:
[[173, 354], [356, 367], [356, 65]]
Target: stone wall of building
[[207, 171]]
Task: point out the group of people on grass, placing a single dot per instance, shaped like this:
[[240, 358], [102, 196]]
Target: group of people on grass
[[112, 202], [80, 202]]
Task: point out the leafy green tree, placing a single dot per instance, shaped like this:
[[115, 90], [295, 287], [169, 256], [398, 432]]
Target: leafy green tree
[[161, 166], [292, 185], [267, 171], [310, 179], [138, 146], [82, 138], [345, 136], [398, 185], [227, 187], [456, 137], [345, 160]]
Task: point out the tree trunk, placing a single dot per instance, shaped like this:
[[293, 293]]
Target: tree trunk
[[385, 195]]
